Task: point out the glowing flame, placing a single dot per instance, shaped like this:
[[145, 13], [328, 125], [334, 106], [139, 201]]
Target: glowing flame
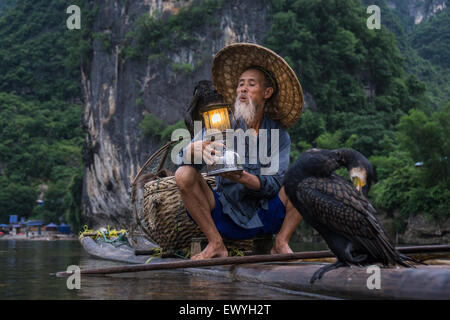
[[216, 118]]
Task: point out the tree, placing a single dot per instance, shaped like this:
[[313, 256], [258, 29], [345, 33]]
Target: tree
[[426, 139]]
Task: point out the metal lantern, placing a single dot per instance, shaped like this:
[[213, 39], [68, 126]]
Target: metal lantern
[[216, 117]]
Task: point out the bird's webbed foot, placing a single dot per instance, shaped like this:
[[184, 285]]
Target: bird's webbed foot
[[319, 273], [351, 258]]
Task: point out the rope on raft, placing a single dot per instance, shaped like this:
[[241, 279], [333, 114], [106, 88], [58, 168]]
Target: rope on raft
[[108, 235]]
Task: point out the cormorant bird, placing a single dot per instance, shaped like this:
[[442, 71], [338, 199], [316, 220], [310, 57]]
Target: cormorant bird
[[338, 210]]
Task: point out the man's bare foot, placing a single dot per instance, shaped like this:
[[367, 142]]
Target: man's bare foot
[[212, 251], [280, 247]]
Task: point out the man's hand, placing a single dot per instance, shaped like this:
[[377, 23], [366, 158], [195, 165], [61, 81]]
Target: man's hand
[[235, 176], [210, 151], [243, 177]]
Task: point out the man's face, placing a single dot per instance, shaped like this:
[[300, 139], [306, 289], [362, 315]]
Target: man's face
[[251, 95], [251, 86]]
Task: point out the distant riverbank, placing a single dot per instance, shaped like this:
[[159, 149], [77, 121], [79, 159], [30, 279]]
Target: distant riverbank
[[39, 238]]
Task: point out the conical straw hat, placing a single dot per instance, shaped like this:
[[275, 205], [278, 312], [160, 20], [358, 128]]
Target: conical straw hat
[[232, 60]]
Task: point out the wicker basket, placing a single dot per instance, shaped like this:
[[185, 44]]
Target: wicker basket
[[163, 217], [167, 220]]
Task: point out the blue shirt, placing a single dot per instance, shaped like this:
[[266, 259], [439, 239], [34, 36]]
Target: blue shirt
[[240, 202]]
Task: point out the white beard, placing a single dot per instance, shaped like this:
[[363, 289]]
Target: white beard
[[245, 111]]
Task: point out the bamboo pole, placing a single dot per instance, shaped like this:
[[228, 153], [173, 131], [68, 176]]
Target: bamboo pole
[[424, 249], [236, 260], [202, 263], [405, 250]]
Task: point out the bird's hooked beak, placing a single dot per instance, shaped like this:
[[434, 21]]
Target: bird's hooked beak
[[358, 183], [358, 177]]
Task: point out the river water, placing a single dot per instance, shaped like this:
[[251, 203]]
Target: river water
[[27, 271]]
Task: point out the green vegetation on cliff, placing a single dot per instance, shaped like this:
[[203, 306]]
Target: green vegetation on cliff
[[40, 112], [369, 97], [155, 35]]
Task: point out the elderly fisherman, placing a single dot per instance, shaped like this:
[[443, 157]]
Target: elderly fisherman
[[249, 203]]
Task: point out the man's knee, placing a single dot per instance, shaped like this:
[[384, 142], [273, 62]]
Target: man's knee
[[185, 176]]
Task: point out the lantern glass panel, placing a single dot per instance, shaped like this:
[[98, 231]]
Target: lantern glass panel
[[217, 119]]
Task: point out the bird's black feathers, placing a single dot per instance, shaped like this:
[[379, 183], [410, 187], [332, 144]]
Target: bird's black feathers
[[337, 210]]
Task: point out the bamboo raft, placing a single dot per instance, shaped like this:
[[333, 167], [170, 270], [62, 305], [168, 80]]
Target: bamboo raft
[[290, 272]]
